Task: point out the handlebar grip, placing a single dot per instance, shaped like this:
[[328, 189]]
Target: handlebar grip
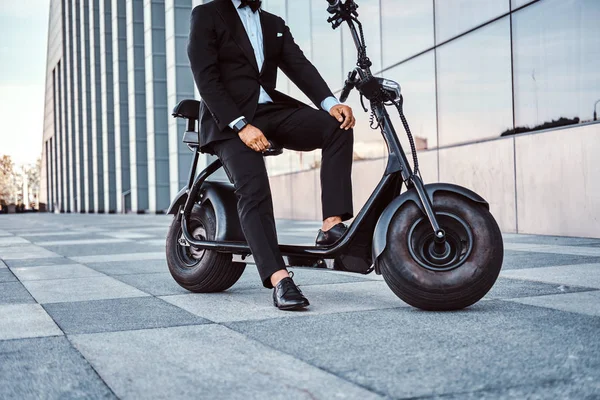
[[333, 2], [346, 92]]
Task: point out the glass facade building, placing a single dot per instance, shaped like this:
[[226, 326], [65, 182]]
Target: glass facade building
[[501, 95]]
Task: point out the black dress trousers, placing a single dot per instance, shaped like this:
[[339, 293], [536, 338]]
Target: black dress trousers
[[301, 129]]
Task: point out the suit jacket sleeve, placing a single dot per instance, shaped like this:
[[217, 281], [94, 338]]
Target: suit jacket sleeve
[[203, 55], [301, 71]]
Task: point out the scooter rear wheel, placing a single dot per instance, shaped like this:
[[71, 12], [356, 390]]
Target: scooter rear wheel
[[431, 279], [200, 271]]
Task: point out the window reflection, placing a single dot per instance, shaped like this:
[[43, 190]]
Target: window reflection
[[474, 85], [556, 63], [326, 46], [407, 27], [453, 17], [518, 3], [369, 16], [417, 80], [299, 22]]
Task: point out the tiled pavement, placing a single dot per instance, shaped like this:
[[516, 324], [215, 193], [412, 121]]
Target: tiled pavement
[[89, 310]]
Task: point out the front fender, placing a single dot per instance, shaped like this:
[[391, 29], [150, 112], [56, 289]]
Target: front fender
[[381, 229], [221, 196], [178, 201]]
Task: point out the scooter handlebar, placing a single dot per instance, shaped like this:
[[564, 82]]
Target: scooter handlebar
[[348, 86]]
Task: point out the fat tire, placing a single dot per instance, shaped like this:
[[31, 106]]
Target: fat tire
[[214, 272], [443, 290]]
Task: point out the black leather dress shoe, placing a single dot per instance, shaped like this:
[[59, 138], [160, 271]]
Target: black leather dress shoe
[[287, 296], [332, 235]]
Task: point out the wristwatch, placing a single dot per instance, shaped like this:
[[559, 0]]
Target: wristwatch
[[241, 124]]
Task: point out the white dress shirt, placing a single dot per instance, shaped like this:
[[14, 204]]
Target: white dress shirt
[[251, 22]]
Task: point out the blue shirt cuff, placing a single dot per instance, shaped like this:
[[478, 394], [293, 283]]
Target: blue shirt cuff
[[328, 103]]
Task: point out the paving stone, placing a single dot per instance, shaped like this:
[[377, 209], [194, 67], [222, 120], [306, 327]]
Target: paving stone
[[583, 303], [158, 284], [127, 235], [523, 259], [11, 241], [121, 247], [119, 315], [109, 257], [258, 304], [6, 275], [66, 271], [585, 275], [47, 368], [209, 361], [407, 353], [14, 292], [25, 321], [136, 267], [80, 289], [39, 262], [550, 240], [25, 251], [506, 288], [554, 249]]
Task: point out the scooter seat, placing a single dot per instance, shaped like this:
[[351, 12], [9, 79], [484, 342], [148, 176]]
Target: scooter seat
[[188, 109]]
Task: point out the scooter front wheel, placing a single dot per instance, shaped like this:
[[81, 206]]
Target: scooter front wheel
[[200, 271], [454, 275]]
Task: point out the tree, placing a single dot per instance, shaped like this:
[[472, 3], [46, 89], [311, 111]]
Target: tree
[[8, 187]]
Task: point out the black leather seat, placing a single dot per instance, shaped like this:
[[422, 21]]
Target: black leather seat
[[190, 110]]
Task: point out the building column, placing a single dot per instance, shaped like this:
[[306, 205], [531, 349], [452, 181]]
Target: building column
[[121, 117], [138, 159], [67, 100], [180, 87], [108, 123], [156, 105], [86, 132], [77, 121], [96, 108]]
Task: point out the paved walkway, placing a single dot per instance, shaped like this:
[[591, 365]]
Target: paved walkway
[[89, 310]]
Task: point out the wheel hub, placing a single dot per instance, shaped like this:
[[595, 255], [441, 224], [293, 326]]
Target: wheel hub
[[200, 234], [440, 255]]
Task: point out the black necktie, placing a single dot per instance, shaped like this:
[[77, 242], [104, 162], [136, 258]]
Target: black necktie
[[253, 4]]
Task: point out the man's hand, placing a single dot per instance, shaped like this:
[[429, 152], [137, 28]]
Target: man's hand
[[254, 138], [343, 113]]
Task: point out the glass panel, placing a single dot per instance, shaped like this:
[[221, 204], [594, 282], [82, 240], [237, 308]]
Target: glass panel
[[417, 79], [326, 46], [369, 17], [407, 29], [518, 3], [556, 63], [276, 7], [474, 85], [453, 17], [299, 23]]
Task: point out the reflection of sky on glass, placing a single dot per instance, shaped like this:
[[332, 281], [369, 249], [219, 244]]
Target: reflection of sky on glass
[[518, 3], [454, 17], [474, 85], [417, 79], [556, 60], [368, 14], [407, 29], [327, 46], [299, 22]]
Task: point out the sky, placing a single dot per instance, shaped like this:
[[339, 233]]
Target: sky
[[23, 40]]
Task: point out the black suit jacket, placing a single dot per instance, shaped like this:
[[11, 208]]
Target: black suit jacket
[[226, 72]]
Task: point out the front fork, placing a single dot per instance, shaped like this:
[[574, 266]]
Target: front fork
[[399, 163]]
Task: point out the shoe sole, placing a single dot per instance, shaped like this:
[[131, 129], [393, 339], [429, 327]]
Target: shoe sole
[[292, 307]]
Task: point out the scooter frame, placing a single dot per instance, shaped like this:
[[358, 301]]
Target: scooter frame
[[398, 172]]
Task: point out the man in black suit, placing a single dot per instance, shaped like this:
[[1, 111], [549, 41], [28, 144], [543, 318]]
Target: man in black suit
[[235, 49]]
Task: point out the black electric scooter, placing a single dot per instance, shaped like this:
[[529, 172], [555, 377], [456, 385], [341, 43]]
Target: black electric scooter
[[437, 245]]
